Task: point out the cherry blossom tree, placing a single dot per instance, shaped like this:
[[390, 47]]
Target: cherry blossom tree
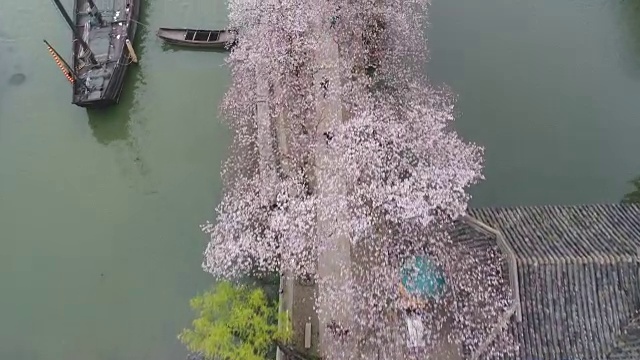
[[383, 170]]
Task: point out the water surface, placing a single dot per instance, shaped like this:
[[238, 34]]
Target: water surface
[[550, 88], [99, 211]]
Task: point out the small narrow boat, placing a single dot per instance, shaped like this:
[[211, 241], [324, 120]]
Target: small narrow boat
[[204, 39]]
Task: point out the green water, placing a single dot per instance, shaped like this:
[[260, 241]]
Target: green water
[[100, 248], [99, 212], [550, 88]]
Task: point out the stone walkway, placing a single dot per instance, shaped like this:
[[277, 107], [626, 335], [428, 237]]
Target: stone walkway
[[334, 258], [335, 267]]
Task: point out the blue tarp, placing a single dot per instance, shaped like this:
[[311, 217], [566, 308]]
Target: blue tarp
[[420, 277]]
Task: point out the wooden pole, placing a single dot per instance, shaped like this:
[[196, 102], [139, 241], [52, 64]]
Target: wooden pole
[[76, 34], [66, 65], [67, 69]]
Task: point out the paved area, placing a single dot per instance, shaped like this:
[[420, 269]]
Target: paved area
[[264, 136], [297, 298], [334, 258], [338, 263]]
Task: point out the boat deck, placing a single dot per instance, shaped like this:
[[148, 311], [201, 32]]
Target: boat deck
[[107, 42]]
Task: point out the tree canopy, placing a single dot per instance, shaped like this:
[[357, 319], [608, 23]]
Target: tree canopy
[[369, 156], [633, 197], [234, 322]]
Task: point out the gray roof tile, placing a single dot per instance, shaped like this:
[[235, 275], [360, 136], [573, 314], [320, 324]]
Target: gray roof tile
[[582, 233], [482, 246], [628, 345], [578, 278], [472, 238]]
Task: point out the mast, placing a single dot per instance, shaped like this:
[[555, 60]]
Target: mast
[[76, 34]]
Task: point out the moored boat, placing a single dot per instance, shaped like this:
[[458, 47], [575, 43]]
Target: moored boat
[[205, 39], [102, 50]]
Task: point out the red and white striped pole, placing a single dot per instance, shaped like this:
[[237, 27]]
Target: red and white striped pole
[[61, 64]]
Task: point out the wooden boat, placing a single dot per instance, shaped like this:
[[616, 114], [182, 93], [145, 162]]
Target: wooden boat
[[205, 39], [102, 49]]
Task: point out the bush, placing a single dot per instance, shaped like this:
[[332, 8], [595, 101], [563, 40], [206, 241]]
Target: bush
[[235, 322]]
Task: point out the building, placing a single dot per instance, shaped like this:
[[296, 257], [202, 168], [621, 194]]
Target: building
[[574, 277]]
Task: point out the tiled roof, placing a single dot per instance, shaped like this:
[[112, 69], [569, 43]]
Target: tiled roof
[[472, 238], [481, 244], [628, 345], [577, 271], [583, 233]]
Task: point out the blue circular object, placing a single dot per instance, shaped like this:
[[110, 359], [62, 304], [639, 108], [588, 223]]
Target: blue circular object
[[420, 277]]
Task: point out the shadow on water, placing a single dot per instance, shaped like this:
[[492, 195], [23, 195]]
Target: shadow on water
[[114, 123], [629, 11], [11, 66], [633, 197], [11, 74], [113, 126]]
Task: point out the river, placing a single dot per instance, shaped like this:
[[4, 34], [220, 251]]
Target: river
[[99, 212], [100, 248], [550, 88]]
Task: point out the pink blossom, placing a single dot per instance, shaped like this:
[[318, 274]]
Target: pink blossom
[[364, 152]]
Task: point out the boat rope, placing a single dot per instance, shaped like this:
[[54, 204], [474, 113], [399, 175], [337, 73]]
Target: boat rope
[[138, 22], [66, 71]]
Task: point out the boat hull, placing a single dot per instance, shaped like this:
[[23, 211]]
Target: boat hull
[[218, 45], [101, 85], [179, 37]]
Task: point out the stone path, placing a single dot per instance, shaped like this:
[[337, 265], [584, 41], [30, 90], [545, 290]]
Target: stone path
[[334, 258]]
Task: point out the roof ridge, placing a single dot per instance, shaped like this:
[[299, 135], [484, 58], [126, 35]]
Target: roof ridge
[[549, 206], [509, 253], [567, 234], [478, 225]]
